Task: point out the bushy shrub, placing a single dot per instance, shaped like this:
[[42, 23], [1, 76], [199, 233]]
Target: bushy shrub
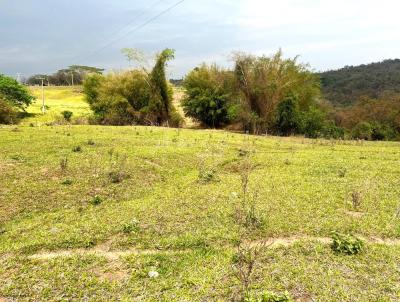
[[133, 97], [313, 122], [362, 130], [264, 82], [67, 115], [288, 119], [210, 96], [13, 97], [96, 200], [8, 115], [346, 244]]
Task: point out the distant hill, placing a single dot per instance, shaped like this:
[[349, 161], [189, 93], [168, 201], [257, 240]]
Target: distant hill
[[345, 86]]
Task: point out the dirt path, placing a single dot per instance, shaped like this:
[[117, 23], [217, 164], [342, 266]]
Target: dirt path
[[270, 243]]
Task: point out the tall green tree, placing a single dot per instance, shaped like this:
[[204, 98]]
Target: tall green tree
[[14, 97]]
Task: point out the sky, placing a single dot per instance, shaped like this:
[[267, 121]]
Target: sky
[[47, 35]]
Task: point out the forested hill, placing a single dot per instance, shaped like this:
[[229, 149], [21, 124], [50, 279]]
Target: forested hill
[[345, 86]]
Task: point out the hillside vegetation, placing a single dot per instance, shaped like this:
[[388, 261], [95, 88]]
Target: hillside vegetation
[[153, 214], [345, 86]]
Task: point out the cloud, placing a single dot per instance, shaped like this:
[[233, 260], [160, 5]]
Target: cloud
[[327, 34]]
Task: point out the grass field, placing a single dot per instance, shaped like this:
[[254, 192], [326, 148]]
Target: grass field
[[86, 212], [58, 99]]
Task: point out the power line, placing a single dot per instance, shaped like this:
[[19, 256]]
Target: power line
[[134, 19], [137, 28]]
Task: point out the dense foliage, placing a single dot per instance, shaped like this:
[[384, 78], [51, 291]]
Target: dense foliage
[[13, 97], [264, 82], [345, 86], [210, 96], [261, 94], [134, 96], [372, 119]]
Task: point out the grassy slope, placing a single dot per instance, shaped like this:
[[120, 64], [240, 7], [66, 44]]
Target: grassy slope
[[58, 99], [300, 193]]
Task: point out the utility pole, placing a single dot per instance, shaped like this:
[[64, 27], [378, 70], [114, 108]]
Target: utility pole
[[43, 104]]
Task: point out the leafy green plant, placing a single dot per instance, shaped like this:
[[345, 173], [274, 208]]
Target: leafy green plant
[[67, 182], [209, 95], [131, 227], [67, 115], [96, 200], [346, 244]]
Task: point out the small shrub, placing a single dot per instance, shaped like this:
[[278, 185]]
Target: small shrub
[[206, 175], [116, 176], [67, 115], [67, 182], [77, 149], [346, 244], [274, 297], [131, 227], [96, 200]]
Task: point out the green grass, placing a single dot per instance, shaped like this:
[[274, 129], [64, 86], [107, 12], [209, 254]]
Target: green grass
[[302, 188], [58, 99]]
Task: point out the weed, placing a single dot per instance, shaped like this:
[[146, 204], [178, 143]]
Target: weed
[[244, 263], [356, 199], [342, 172], [96, 200], [117, 171], [77, 149], [67, 182], [346, 244], [206, 175], [131, 227], [17, 157], [91, 142], [63, 164]]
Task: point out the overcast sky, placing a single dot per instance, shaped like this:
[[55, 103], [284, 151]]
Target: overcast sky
[[47, 35]]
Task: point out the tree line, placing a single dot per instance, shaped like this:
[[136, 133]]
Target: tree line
[[259, 94], [73, 75]]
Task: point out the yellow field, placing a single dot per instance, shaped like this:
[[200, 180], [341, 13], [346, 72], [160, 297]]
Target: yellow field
[[57, 99]]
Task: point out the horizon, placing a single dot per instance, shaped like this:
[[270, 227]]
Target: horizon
[[46, 38]]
